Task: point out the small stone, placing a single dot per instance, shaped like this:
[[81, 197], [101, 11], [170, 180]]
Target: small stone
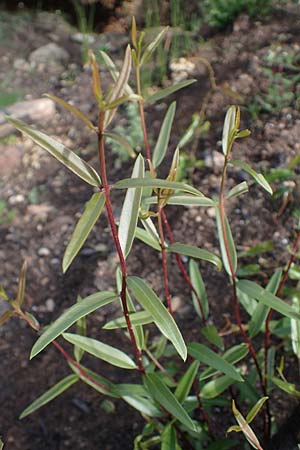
[[43, 251], [16, 199], [50, 305], [214, 160], [211, 212], [49, 54], [83, 38]]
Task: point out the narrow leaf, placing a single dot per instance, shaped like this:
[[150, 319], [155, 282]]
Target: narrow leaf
[[70, 316], [231, 247], [258, 177], [103, 351], [145, 237], [246, 429], [155, 183], [49, 395], [289, 388], [295, 329], [92, 211], [167, 399], [228, 129], [60, 152], [255, 409], [96, 79], [114, 71], [21, 285], [240, 189], [168, 438], [161, 316], [152, 46], [6, 316], [232, 355], [159, 95], [130, 210], [212, 359], [164, 136], [262, 295], [214, 388], [80, 115], [93, 379], [143, 405], [195, 252], [186, 382], [80, 329], [199, 286], [212, 335], [136, 318], [123, 142], [183, 200]]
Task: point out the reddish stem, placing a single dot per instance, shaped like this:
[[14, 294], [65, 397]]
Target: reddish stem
[[164, 259], [279, 289], [114, 231], [182, 268]]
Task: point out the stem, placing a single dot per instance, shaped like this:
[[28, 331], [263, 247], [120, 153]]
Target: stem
[[164, 258], [200, 406], [63, 352], [267, 416], [159, 365], [114, 231], [280, 287], [182, 268]]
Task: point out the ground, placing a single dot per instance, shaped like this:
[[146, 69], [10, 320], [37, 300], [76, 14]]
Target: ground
[[46, 201]]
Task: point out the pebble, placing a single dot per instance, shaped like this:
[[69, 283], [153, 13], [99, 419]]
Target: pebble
[[50, 304], [16, 199], [211, 212], [43, 251]]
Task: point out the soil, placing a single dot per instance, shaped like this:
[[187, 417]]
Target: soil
[[46, 201]]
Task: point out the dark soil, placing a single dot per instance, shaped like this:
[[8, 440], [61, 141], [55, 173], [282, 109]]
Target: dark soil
[[47, 201]]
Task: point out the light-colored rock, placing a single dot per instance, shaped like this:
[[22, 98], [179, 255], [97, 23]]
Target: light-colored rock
[[83, 38], [182, 68], [50, 305], [214, 160], [49, 54], [10, 159], [43, 251], [31, 111]]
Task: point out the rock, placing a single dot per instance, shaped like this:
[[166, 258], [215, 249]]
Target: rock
[[83, 38], [50, 305], [214, 160], [43, 251], [49, 54], [10, 159], [38, 110], [16, 199], [182, 68]]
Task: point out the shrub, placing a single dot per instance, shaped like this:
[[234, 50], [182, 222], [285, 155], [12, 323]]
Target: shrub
[[180, 383]]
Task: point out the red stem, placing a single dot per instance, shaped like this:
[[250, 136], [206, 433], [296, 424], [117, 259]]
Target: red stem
[[182, 268], [114, 231]]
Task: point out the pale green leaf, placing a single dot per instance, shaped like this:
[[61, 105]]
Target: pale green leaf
[[246, 429], [267, 298], [258, 177], [289, 388], [232, 355], [153, 46], [183, 200], [231, 247], [156, 183], [186, 382], [214, 388], [136, 318], [80, 329], [130, 209], [295, 328], [93, 379], [205, 355], [21, 285], [255, 409], [195, 252], [70, 316], [161, 316], [103, 351], [122, 141], [143, 405], [199, 287], [92, 211], [164, 136], [60, 152], [147, 238], [49, 395], [162, 93], [228, 129], [237, 190], [167, 399], [114, 71], [168, 438], [212, 335]]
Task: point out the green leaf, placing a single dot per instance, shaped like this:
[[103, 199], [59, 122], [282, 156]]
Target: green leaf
[[186, 382], [122, 141], [232, 252], [183, 200], [262, 295], [295, 329], [212, 335], [214, 388], [232, 355], [49, 395], [147, 238], [130, 210], [255, 409], [195, 252], [246, 429], [289, 388], [136, 318], [258, 177], [161, 316], [168, 438], [96, 381], [1, 444], [155, 183], [255, 250], [164, 136], [212, 359], [21, 285], [143, 405], [80, 329], [199, 286], [261, 311], [153, 46], [162, 93], [114, 71], [162, 394], [103, 351], [60, 152], [80, 115], [70, 316], [92, 211], [229, 129], [240, 189]]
